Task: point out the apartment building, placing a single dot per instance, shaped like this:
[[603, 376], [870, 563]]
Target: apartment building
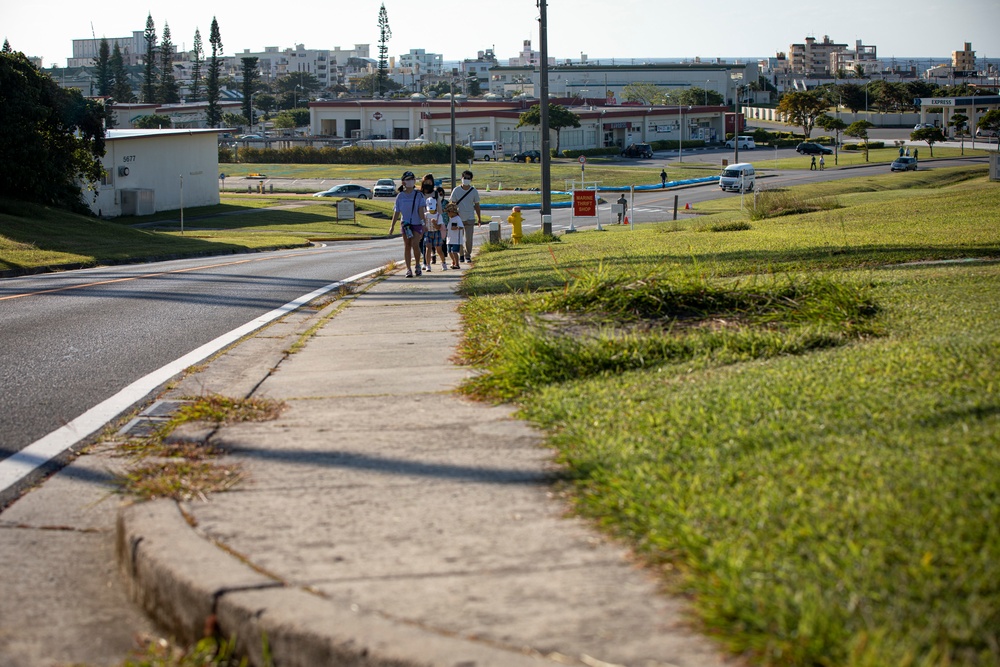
[[418, 60], [813, 58], [964, 61]]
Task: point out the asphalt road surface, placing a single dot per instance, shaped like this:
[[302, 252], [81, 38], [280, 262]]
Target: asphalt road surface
[[75, 339]]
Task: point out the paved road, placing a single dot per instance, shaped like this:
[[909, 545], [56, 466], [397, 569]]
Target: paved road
[[75, 339]]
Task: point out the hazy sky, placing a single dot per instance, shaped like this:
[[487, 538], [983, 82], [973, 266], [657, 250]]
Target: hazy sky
[[600, 28]]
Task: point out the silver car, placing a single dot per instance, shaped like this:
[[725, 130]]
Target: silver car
[[346, 190]]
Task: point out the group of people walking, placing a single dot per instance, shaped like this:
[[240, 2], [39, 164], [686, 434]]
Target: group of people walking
[[433, 226]]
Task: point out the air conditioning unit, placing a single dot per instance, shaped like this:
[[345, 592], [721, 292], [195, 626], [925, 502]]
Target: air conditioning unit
[[122, 172]]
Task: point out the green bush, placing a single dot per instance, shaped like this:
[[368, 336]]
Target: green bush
[[668, 144], [430, 153], [589, 152]]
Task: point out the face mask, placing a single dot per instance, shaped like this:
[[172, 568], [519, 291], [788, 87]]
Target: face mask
[[427, 187], [408, 183], [466, 181]]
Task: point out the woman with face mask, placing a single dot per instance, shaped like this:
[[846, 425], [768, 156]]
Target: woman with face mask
[[410, 208]]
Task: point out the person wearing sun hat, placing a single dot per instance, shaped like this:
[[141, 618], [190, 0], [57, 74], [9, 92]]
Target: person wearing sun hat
[[410, 209]]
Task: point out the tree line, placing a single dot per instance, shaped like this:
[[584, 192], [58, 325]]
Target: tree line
[[159, 83]]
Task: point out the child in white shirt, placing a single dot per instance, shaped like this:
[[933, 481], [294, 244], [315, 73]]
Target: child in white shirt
[[456, 231]]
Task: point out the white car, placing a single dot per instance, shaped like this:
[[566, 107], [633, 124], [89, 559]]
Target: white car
[[384, 187], [746, 143]]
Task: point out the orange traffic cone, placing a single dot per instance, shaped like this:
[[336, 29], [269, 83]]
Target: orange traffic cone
[[687, 206], [625, 220]]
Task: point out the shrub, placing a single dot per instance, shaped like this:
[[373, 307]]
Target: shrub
[[430, 153]]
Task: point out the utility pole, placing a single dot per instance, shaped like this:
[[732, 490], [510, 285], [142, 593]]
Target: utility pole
[[452, 88], [543, 47]]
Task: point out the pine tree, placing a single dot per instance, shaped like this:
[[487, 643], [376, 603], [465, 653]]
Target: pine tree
[[197, 58], [103, 64], [251, 77], [214, 115], [121, 88], [383, 47], [6, 47], [169, 90], [149, 73]]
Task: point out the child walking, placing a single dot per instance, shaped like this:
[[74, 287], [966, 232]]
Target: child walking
[[456, 230]]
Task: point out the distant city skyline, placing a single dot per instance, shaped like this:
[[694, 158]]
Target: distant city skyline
[[625, 30]]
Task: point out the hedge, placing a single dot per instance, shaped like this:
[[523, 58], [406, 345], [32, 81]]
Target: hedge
[[436, 153]]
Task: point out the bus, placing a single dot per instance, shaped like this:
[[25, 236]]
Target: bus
[[487, 150]]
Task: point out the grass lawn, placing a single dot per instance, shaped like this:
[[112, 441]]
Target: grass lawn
[[35, 237], [796, 422]]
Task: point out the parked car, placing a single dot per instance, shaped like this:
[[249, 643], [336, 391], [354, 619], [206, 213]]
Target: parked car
[[384, 187], [745, 142], [810, 148], [346, 190], [527, 156], [920, 126], [983, 132], [638, 150], [904, 164]]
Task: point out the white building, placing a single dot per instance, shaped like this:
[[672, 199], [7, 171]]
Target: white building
[[421, 62], [156, 170], [133, 49], [497, 119], [184, 115], [608, 82], [327, 65]]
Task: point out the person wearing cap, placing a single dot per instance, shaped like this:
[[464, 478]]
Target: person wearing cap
[[466, 198], [410, 207]]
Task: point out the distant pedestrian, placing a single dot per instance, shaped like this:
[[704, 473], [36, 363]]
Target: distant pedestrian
[[915, 154], [663, 178], [466, 198], [822, 163], [900, 151], [907, 151], [812, 165], [409, 207], [623, 202]]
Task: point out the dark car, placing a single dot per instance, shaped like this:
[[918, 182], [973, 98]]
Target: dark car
[[809, 148], [638, 150], [527, 156]]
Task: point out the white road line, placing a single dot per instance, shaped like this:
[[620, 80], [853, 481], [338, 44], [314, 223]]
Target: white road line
[[18, 466]]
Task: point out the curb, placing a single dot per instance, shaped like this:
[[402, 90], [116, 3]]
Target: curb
[[201, 589]]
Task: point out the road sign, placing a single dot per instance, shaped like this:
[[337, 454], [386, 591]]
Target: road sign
[[583, 159], [585, 203]]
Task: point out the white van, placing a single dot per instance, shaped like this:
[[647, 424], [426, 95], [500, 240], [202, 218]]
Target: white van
[[737, 177], [487, 150]]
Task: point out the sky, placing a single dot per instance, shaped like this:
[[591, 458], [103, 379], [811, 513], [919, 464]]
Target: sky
[[602, 29]]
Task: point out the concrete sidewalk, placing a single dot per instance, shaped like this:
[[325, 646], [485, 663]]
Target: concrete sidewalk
[[387, 521]]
